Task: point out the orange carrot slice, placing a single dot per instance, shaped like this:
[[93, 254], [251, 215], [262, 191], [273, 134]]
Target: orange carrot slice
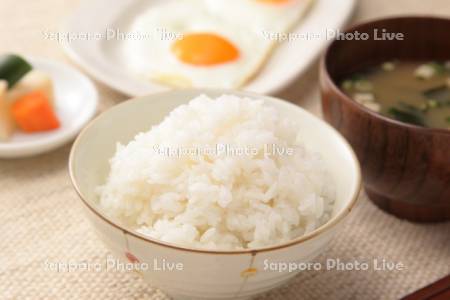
[[34, 113]]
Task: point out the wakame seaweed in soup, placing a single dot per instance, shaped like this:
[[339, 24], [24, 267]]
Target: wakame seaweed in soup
[[410, 92]]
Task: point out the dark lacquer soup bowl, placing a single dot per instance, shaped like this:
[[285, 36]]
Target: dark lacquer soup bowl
[[406, 168]]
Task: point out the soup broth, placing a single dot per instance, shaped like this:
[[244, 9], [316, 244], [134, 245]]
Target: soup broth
[[410, 92]]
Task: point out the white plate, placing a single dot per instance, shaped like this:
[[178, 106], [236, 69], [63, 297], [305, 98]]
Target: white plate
[[97, 55], [75, 104]]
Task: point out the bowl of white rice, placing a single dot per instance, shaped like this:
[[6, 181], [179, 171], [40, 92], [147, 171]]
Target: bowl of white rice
[[212, 194]]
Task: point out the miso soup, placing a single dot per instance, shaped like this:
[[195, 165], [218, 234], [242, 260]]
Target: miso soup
[[410, 92]]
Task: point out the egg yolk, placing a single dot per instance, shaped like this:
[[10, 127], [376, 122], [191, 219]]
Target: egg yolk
[[274, 1], [204, 49]]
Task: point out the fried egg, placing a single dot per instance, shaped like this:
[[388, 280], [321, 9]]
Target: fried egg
[[207, 52], [205, 43], [260, 15]]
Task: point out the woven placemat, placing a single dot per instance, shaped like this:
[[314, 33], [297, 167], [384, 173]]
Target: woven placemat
[[42, 222]]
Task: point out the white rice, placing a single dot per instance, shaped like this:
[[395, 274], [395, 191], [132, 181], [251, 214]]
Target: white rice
[[223, 200]]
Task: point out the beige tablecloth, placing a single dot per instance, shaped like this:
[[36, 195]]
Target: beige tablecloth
[[42, 222]]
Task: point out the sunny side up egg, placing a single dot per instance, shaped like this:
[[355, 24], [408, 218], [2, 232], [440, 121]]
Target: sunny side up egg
[[210, 51], [277, 16]]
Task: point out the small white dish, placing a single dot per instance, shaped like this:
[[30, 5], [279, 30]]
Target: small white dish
[[90, 49], [76, 102]]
